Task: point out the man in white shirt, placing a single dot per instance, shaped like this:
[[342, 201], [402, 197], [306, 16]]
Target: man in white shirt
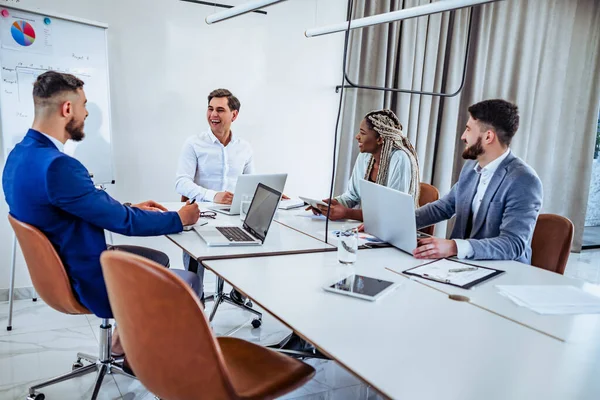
[[212, 161], [497, 198]]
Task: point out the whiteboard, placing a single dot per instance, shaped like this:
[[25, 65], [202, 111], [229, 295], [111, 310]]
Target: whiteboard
[[32, 43]]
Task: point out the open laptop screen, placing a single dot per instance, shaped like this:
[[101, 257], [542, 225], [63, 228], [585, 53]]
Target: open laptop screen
[[261, 211]]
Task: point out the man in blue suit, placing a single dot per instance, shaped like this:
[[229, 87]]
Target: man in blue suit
[[52, 191], [497, 198]]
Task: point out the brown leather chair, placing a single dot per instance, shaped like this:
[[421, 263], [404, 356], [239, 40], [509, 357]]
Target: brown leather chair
[[170, 345], [551, 242], [428, 194], [52, 284]]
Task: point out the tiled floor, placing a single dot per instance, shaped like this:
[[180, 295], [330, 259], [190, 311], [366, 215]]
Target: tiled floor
[[591, 236], [44, 342]]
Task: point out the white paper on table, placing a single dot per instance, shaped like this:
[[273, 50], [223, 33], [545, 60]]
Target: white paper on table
[[552, 299], [310, 215], [440, 270]]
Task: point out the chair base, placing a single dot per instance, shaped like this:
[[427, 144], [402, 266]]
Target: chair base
[[103, 364], [220, 297]]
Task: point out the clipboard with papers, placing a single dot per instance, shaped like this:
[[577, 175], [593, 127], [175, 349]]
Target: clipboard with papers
[[454, 273]]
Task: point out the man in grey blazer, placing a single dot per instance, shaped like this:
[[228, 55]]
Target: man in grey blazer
[[497, 198]]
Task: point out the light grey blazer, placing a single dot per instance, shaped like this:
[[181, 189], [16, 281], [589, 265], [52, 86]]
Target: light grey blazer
[[504, 224]]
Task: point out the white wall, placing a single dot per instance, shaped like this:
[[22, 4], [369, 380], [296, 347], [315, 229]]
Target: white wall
[[164, 60]]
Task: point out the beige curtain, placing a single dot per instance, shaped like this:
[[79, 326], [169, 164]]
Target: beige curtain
[[541, 54]]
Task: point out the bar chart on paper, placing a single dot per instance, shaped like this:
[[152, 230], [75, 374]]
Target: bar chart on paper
[[33, 43]]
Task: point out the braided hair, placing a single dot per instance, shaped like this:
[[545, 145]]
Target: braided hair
[[386, 124]]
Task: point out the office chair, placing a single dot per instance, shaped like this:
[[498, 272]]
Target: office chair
[[551, 242], [171, 347], [53, 286], [428, 194]]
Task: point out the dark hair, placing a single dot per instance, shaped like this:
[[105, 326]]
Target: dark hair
[[500, 115], [387, 112], [232, 101], [51, 83]]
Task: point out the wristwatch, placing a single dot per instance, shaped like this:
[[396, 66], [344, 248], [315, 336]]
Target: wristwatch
[[127, 204]]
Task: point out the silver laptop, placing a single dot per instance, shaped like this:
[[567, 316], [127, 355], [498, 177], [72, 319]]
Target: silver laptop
[[389, 215], [256, 225], [246, 185]]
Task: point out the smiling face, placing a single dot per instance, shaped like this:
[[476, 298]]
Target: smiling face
[[220, 116], [368, 140]]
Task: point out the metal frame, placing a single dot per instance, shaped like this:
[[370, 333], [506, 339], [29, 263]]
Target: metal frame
[[213, 4], [104, 364], [221, 297], [352, 85]]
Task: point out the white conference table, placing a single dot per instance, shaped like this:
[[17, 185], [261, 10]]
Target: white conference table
[[571, 328], [280, 240], [414, 343], [310, 224]]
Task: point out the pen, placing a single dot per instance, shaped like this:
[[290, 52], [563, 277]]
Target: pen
[[433, 278], [192, 202], [463, 269]]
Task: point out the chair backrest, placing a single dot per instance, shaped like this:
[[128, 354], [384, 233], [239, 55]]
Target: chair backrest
[[168, 340], [428, 194], [47, 271], [551, 242]]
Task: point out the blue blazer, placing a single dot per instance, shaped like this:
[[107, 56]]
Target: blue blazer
[[53, 192], [504, 224]]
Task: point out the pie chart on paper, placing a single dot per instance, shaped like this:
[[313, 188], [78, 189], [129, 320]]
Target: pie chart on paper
[[23, 33]]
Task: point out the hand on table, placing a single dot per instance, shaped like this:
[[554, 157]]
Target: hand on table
[[223, 198], [435, 248], [150, 205], [189, 213]]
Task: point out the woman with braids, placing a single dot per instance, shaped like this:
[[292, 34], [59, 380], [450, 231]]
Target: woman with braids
[[386, 157]]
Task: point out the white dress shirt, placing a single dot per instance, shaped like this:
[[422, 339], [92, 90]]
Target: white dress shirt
[[464, 248], [207, 167], [57, 143]]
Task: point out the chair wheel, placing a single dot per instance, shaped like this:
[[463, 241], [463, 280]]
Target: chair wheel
[[37, 396], [256, 323], [76, 365]]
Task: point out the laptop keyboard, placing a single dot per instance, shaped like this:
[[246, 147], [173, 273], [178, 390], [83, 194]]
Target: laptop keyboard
[[234, 234]]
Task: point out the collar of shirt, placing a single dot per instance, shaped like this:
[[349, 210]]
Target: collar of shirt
[[491, 168], [215, 140], [56, 142]]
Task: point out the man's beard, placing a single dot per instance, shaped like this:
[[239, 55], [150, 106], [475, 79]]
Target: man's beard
[[75, 130], [474, 151]]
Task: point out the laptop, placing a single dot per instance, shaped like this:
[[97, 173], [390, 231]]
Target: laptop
[[389, 215], [256, 225], [246, 185]]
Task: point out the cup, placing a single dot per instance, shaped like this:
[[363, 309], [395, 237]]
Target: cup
[[244, 206], [347, 246]]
